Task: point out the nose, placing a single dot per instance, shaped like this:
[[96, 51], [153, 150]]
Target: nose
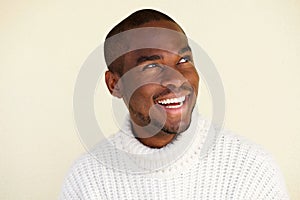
[[172, 78]]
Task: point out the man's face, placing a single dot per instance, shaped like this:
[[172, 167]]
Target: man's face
[[167, 78]]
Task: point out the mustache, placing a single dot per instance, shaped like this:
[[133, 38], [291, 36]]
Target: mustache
[[173, 89]]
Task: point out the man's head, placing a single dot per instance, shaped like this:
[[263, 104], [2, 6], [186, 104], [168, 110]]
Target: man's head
[[151, 67], [135, 20]]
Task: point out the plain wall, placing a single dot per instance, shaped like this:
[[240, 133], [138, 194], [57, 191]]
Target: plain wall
[[255, 46]]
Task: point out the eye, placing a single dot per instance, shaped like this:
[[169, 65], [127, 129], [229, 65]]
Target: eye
[[151, 66], [185, 59]]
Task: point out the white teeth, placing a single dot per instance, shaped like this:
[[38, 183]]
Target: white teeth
[[177, 106], [173, 100]]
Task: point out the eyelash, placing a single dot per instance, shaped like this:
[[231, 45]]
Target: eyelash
[[187, 58], [152, 65]]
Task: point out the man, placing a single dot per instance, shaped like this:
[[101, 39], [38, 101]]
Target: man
[[160, 152]]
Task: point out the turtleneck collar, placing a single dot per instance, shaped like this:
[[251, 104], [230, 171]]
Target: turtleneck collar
[[183, 149]]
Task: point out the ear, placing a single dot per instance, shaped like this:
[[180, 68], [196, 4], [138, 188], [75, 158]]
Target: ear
[[112, 83]]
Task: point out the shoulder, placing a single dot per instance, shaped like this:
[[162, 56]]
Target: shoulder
[[238, 149], [86, 175], [238, 144], [93, 160]]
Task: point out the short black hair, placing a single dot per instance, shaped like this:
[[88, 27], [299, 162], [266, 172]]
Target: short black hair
[[134, 20]]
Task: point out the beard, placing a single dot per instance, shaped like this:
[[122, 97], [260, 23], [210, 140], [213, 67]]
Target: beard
[[174, 128]]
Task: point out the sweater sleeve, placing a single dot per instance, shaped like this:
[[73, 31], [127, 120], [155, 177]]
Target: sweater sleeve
[[273, 185], [254, 172], [71, 189], [84, 180], [266, 181]]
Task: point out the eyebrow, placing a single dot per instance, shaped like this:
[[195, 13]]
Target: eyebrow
[[185, 49], [147, 58], [142, 59]]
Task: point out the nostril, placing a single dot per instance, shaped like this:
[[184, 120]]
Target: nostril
[[171, 87], [172, 83]]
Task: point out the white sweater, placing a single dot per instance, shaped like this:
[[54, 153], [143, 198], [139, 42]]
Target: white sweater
[[198, 164]]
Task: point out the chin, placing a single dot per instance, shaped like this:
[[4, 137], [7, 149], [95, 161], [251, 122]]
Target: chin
[[181, 125], [175, 128]]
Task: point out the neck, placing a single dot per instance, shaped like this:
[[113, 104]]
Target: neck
[[158, 140]]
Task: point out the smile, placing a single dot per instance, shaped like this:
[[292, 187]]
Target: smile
[[173, 102]]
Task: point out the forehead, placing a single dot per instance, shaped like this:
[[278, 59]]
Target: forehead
[[154, 38], [163, 35]]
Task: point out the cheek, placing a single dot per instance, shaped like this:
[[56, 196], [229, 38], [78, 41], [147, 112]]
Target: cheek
[[196, 83], [193, 79], [142, 98]]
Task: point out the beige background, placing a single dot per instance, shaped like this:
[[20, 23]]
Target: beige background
[[255, 46]]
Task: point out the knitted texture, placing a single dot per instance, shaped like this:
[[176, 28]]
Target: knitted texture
[[232, 168]]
